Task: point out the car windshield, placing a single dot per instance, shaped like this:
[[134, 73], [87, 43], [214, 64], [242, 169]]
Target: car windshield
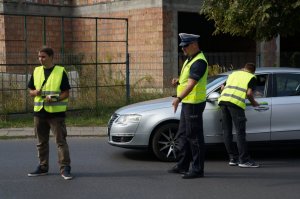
[[212, 80]]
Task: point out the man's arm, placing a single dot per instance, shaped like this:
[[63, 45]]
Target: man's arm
[[190, 85], [250, 93], [64, 95], [251, 97]]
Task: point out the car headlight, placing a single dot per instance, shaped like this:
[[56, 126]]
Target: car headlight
[[126, 119]]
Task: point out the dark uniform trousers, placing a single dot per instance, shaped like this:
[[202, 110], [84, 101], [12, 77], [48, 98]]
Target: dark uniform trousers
[[42, 131], [191, 138], [237, 116]]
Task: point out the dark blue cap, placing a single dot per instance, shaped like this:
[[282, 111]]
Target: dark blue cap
[[187, 38]]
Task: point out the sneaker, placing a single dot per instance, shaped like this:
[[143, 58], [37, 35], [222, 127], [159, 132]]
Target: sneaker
[[66, 173], [249, 164], [40, 171], [233, 162]]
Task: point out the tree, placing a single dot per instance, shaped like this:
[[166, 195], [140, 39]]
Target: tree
[[257, 19]]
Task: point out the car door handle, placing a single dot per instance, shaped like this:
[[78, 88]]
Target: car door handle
[[261, 108]]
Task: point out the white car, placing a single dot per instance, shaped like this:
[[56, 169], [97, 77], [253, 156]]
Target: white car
[[153, 124]]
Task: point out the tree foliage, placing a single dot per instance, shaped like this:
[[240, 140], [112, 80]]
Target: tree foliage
[[258, 19]]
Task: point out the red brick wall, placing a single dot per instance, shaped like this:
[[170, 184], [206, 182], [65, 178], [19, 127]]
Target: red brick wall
[[145, 41], [2, 44], [145, 45]]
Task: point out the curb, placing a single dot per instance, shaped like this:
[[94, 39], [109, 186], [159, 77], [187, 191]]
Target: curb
[[72, 131]]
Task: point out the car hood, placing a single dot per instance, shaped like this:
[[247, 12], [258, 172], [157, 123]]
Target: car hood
[[146, 106]]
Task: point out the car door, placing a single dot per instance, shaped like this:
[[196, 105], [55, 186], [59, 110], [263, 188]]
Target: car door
[[286, 107], [259, 118]]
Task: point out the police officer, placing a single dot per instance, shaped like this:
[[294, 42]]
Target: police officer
[[49, 85], [239, 86], [191, 91]]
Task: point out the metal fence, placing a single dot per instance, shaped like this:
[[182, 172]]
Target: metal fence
[[94, 52]]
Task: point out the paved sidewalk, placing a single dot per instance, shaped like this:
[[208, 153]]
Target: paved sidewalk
[[72, 131]]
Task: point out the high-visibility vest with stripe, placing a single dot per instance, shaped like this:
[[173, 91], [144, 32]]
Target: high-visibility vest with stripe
[[235, 90], [198, 94], [50, 87]]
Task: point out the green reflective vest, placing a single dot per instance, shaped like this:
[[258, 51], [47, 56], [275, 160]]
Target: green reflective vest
[[51, 87], [236, 87], [198, 94]]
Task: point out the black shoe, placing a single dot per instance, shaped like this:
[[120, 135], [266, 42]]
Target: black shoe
[[191, 175], [175, 169], [233, 162], [66, 173], [40, 171]]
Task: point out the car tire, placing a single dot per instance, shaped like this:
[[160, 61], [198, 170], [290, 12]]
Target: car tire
[[165, 142]]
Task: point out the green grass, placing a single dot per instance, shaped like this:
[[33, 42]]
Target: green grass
[[96, 117]]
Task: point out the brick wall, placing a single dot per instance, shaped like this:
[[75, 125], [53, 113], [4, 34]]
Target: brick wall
[[146, 39], [2, 44]]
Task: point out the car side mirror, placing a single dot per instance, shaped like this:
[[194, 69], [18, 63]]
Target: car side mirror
[[213, 97]]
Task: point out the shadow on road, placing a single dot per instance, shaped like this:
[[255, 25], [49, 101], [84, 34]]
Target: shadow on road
[[265, 151]]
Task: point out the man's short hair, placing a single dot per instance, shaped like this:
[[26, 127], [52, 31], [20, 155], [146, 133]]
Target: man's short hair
[[48, 51], [251, 67]]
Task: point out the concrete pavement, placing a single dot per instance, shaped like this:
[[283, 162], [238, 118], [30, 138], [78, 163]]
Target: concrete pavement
[[72, 131]]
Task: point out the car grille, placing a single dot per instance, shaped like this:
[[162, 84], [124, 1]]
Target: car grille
[[122, 138], [110, 122]]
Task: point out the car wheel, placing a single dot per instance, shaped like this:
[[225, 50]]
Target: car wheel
[[165, 142]]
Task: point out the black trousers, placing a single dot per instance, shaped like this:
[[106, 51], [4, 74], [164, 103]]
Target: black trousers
[[191, 138], [237, 117]]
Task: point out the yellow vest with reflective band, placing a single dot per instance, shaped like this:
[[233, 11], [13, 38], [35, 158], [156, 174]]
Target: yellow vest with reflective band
[[51, 87], [235, 90], [198, 94]]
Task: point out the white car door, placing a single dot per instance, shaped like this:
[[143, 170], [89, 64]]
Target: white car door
[[285, 124], [259, 118]]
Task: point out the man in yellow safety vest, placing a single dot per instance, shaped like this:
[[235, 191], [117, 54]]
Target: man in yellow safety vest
[[191, 91], [239, 86], [49, 85]]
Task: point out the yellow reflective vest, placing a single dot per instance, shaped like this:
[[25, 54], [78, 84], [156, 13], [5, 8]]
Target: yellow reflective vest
[[235, 90], [50, 87], [198, 94]]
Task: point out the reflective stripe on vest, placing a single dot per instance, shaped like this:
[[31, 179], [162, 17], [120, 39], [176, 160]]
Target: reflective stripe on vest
[[236, 87], [51, 87], [198, 94]]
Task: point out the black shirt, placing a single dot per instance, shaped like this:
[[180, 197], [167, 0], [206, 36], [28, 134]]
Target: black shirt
[[65, 85], [197, 69]]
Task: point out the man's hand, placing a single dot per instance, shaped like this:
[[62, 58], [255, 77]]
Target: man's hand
[[38, 92], [251, 98], [175, 82], [51, 98], [34, 93], [255, 103], [175, 104]]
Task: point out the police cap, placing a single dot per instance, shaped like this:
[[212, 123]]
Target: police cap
[[187, 38]]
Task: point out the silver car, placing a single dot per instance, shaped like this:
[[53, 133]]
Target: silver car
[[153, 124]]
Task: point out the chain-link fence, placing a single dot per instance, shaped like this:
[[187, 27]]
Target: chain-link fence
[[94, 52]]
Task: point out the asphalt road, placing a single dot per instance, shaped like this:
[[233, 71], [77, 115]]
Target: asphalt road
[[106, 172]]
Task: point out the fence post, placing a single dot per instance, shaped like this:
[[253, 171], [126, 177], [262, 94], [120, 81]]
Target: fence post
[[44, 31], [26, 63], [96, 43], [127, 67], [127, 80]]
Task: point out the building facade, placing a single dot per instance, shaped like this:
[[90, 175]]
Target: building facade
[[153, 27]]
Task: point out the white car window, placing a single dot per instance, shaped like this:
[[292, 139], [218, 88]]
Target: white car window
[[287, 85], [261, 86]]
